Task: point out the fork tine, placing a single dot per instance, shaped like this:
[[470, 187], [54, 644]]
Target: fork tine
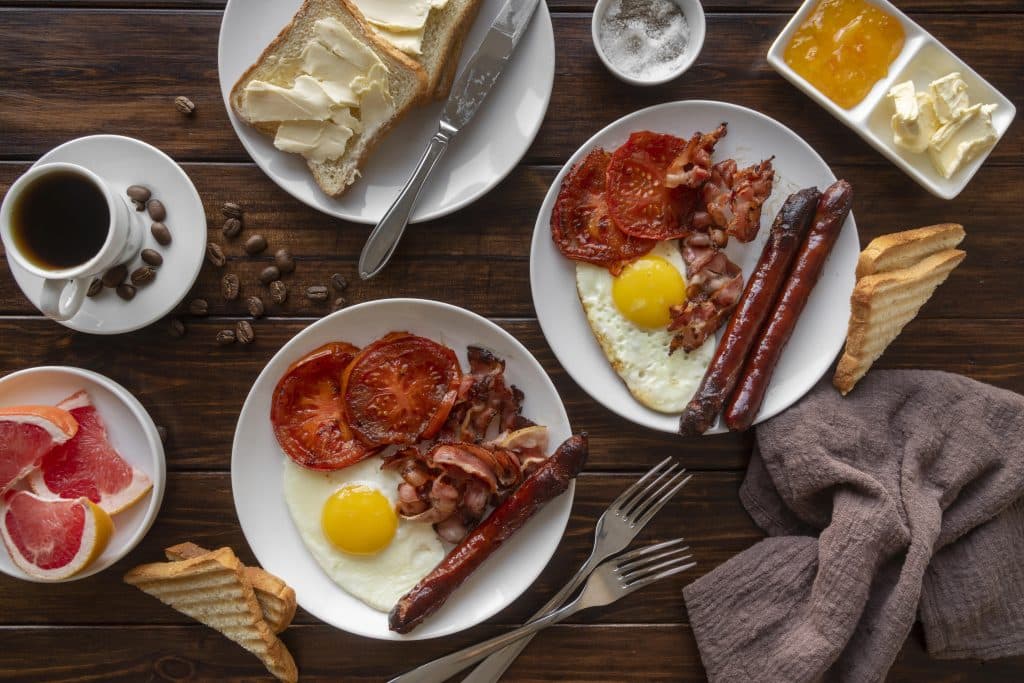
[[660, 503], [637, 512], [628, 493], [650, 567], [644, 494], [625, 568], [643, 583], [647, 550]]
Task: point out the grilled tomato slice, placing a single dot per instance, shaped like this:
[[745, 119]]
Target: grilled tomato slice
[[581, 226], [400, 389], [307, 413], [638, 200]]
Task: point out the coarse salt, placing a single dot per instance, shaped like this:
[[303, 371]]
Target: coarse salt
[[645, 39]]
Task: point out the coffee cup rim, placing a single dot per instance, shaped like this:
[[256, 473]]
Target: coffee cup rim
[[11, 248]]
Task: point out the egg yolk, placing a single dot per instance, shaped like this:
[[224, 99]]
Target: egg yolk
[[359, 520], [645, 289]]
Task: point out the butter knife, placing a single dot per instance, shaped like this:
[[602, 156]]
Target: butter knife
[[467, 94]]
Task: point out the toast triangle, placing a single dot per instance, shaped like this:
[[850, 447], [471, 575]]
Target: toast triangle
[[904, 249]]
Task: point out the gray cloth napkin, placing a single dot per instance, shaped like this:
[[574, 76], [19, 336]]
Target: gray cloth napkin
[[904, 499]]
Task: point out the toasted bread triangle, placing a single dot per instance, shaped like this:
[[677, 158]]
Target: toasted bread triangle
[[904, 249]]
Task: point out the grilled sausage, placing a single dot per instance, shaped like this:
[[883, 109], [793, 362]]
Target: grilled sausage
[[549, 480], [833, 208], [755, 305]]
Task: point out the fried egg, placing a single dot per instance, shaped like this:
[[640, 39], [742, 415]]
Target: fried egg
[[629, 315], [347, 520]]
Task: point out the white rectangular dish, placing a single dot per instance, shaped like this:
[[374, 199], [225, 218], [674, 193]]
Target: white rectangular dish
[[922, 60]]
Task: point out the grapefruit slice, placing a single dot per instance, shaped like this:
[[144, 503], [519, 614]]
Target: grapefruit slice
[[27, 433], [87, 465], [53, 539]]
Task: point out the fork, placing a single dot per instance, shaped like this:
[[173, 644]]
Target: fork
[[611, 581], [615, 530]]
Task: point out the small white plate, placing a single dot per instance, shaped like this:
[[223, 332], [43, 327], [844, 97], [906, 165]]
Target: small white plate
[[922, 60], [257, 467], [131, 431], [478, 159], [123, 162], [752, 136]]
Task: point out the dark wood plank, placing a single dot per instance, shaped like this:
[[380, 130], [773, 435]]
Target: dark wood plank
[[119, 91], [479, 257]]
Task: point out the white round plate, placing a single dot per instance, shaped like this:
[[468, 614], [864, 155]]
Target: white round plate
[[752, 136], [257, 466], [483, 153], [130, 430], [123, 162]]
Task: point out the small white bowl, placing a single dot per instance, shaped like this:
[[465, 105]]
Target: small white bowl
[[131, 431], [694, 13]]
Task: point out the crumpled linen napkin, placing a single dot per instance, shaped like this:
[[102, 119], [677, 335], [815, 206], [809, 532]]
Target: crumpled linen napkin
[[905, 498]]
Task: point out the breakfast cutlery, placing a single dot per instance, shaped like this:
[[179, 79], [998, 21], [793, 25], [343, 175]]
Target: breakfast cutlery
[[467, 94], [615, 530], [611, 581]]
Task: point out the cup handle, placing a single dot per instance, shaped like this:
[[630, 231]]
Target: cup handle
[[53, 302]]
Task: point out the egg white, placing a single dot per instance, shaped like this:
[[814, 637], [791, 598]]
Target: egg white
[[640, 357], [377, 580]]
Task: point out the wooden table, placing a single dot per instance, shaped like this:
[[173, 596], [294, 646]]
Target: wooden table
[[75, 67]]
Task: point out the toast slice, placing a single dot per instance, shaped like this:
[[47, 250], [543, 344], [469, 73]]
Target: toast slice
[[904, 249], [881, 305], [279, 65], [276, 598], [210, 588]]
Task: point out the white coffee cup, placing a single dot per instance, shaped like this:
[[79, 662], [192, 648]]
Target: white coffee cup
[[64, 289]]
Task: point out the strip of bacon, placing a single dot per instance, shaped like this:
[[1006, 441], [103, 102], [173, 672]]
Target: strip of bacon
[[733, 198], [692, 167], [714, 287], [483, 397]]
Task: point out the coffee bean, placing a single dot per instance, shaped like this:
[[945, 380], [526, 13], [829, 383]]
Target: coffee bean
[[255, 244], [215, 255], [284, 261], [115, 276], [231, 210], [232, 227], [160, 233], [199, 307], [157, 210], [278, 292], [152, 257], [126, 291], [229, 287], [244, 332], [95, 287], [225, 337], [176, 328], [339, 303], [143, 275], [255, 305], [139, 194], [162, 433], [269, 274], [339, 282], [184, 105], [317, 293]]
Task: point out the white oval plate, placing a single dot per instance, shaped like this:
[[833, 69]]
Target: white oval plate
[[819, 334], [257, 466], [478, 159], [124, 161], [131, 431]]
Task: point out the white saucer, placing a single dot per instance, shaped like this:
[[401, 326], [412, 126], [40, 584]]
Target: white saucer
[[484, 152], [122, 162], [131, 431]]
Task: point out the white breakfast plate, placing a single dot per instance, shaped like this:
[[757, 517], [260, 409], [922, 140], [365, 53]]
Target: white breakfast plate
[[752, 136], [257, 466], [478, 159], [922, 60], [131, 431], [123, 161]]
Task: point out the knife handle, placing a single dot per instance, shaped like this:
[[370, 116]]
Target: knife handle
[[385, 237]]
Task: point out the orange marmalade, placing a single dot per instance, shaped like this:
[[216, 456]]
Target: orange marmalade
[[844, 47]]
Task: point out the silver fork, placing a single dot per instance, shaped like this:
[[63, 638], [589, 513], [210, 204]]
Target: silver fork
[[615, 530], [611, 581]]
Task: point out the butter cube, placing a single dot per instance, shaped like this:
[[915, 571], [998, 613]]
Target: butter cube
[[961, 140], [914, 121], [950, 96]]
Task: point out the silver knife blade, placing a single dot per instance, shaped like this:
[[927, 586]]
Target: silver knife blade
[[483, 68]]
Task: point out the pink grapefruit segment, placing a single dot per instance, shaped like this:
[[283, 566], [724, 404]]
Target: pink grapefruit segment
[[27, 433], [88, 465], [53, 539]]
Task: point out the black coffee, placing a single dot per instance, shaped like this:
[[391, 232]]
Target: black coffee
[[61, 220]]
